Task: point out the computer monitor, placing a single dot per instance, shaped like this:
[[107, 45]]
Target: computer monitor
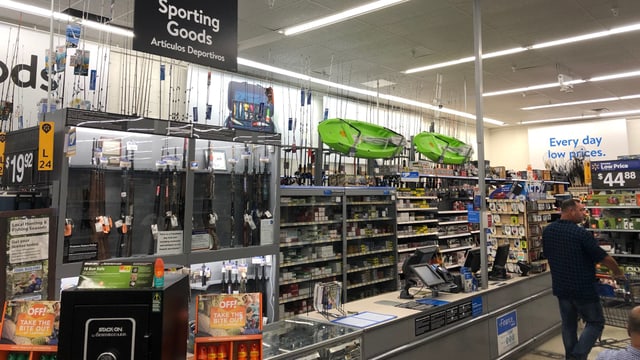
[[499, 269], [421, 255], [427, 274], [473, 260]]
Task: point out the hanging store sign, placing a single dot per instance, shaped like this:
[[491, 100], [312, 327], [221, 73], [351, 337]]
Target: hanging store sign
[[561, 144], [199, 32], [615, 174]]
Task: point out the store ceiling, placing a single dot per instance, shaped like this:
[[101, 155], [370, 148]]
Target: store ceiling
[[381, 45]]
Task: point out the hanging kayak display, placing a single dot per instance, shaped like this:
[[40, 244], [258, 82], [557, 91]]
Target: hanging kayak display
[[442, 149], [360, 139]]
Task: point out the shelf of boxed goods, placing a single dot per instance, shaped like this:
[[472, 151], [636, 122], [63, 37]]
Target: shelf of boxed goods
[[455, 236], [370, 243], [615, 221], [416, 218], [311, 223]]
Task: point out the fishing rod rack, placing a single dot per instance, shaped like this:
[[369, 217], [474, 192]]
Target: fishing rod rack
[[162, 127]]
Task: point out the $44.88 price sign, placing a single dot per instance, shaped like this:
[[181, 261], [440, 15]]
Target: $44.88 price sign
[[615, 174]]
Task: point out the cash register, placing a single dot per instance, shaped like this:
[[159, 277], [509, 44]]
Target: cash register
[[417, 267]]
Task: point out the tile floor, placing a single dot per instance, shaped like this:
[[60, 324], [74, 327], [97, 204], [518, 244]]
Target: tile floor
[[612, 338]]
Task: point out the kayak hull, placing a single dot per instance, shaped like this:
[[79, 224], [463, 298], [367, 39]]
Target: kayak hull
[[442, 149], [360, 139]]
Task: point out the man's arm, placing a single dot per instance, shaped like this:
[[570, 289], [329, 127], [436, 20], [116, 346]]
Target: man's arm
[[612, 265]]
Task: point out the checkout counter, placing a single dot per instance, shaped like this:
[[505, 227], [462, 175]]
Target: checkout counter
[[510, 316]]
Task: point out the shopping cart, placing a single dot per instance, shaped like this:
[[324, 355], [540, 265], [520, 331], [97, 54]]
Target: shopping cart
[[618, 297]]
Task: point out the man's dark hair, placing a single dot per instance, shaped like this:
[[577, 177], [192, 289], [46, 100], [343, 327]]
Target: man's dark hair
[[633, 324], [568, 204]]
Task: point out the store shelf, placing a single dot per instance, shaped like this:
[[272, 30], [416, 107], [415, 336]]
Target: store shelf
[[450, 236], [310, 261], [359, 237], [307, 243], [369, 219], [454, 222], [377, 281], [413, 222], [369, 252], [401, 197], [311, 278], [461, 248], [306, 223], [350, 271], [417, 209], [448, 212], [369, 212], [409, 236], [614, 230]]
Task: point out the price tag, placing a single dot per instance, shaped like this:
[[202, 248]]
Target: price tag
[[19, 168], [45, 146], [618, 174]]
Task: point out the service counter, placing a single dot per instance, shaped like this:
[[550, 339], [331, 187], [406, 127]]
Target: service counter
[[487, 324]]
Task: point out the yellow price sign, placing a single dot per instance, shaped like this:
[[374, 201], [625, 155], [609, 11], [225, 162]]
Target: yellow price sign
[[45, 146]]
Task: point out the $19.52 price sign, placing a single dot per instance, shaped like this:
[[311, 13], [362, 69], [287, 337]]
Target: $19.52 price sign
[[615, 174]]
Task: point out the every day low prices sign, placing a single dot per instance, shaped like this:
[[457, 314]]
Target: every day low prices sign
[[199, 32], [560, 144]]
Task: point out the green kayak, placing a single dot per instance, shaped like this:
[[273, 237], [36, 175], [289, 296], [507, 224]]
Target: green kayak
[[360, 139], [441, 148]]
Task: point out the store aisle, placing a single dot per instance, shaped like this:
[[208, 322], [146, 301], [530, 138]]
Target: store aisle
[[612, 338]]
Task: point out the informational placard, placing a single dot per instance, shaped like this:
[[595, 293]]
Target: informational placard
[[229, 314], [199, 32], [507, 329], [31, 323], [410, 176], [169, 242], [615, 174], [116, 275], [27, 256]]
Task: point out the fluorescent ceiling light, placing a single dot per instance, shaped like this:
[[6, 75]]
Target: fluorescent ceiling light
[[615, 98], [585, 117], [341, 16], [573, 39], [273, 69], [34, 10], [572, 82]]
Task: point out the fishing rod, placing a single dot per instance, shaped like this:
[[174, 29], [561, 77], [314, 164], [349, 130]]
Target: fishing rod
[[209, 215], [232, 221], [101, 223], [302, 165], [157, 203], [123, 225], [308, 143], [264, 202], [171, 221], [207, 115], [247, 228], [257, 189]]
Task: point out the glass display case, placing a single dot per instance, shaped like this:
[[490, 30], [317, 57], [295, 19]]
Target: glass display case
[[131, 187], [304, 338]]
